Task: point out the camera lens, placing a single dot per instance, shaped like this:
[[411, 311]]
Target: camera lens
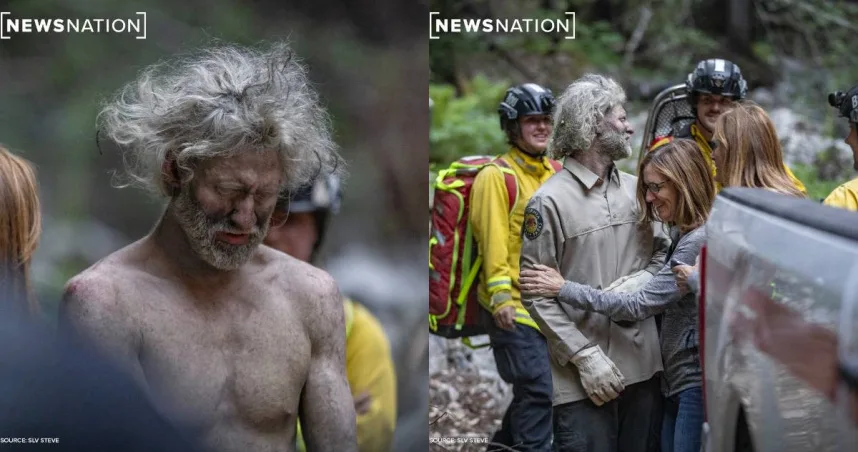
[[835, 98]]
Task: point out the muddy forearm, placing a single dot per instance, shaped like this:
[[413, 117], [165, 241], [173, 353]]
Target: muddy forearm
[[327, 412], [327, 408]]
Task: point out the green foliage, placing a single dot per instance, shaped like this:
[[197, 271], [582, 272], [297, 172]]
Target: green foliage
[[465, 125], [596, 44], [764, 51], [817, 189]]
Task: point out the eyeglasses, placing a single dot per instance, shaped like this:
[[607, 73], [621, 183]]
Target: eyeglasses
[[654, 188]]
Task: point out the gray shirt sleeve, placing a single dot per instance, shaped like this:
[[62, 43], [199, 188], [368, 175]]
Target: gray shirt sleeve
[[652, 299], [694, 282]]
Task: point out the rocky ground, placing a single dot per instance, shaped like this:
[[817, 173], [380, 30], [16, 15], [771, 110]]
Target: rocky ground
[[467, 397]]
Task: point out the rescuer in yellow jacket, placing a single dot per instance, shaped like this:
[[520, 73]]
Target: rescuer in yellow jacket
[[846, 195], [711, 89], [297, 229], [520, 350], [498, 231], [372, 378]]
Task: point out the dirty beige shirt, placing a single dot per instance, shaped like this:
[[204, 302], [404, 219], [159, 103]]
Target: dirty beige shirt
[[588, 229]]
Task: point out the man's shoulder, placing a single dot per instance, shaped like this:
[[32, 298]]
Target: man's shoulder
[[305, 291], [99, 282], [299, 276], [629, 182], [558, 185], [624, 176], [95, 297], [318, 297]]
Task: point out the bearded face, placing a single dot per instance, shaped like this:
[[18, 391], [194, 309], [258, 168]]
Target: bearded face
[[225, 210], [615, 145], [615, 139], [203, 231]]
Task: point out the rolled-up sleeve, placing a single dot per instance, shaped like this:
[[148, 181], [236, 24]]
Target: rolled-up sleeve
[[542, 242]]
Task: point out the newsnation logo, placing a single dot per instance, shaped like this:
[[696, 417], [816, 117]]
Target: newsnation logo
[[441, 25], [10, 25]]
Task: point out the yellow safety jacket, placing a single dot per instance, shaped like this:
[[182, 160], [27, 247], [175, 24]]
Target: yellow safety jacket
[[369, 368], [498, 231], [703, 144], [844, 196]]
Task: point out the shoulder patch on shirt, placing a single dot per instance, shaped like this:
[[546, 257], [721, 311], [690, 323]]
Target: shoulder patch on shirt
[[532, 224]]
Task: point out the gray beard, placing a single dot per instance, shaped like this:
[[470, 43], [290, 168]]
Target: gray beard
[[615, 146], [201, 231]]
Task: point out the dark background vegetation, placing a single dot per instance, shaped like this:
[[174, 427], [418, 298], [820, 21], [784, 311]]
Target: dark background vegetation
[[797, 50]]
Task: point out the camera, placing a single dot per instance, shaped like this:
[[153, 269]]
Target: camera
[[836, 98]]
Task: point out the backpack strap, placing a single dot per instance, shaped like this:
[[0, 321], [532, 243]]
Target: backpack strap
[[510, 180]]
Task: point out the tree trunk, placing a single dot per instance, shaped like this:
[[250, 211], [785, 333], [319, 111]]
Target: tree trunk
[[740, 26]]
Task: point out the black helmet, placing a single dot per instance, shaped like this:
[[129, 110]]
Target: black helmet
[[522, 100], [846, 104], [323, 194], [322, 198], [716, 76]]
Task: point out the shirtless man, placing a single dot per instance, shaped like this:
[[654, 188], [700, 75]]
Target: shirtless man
[[229, 338]]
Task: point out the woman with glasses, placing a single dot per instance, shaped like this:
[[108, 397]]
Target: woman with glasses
[[675, 187]]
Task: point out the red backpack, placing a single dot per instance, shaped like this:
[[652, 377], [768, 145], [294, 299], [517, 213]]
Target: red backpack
[[454, 261]]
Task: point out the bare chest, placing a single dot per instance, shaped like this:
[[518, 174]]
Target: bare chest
[[235, 361]]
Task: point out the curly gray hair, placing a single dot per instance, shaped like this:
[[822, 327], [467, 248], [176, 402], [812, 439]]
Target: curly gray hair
[[578, 111], [216, 103]]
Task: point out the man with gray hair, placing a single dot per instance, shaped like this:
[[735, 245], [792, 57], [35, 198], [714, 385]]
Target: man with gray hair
[[230, 339], [585, 222]]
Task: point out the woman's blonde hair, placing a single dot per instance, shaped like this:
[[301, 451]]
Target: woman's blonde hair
[[751, 151], [683, 166], [21, 229]]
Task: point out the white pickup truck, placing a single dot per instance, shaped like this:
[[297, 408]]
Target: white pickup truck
[[779, 325]]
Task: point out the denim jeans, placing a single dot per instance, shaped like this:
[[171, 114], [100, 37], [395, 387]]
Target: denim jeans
[[621, 425], [683, 420], [522, 361]]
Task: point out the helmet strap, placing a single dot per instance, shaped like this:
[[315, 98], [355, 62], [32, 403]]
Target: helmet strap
[[527, 149]]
